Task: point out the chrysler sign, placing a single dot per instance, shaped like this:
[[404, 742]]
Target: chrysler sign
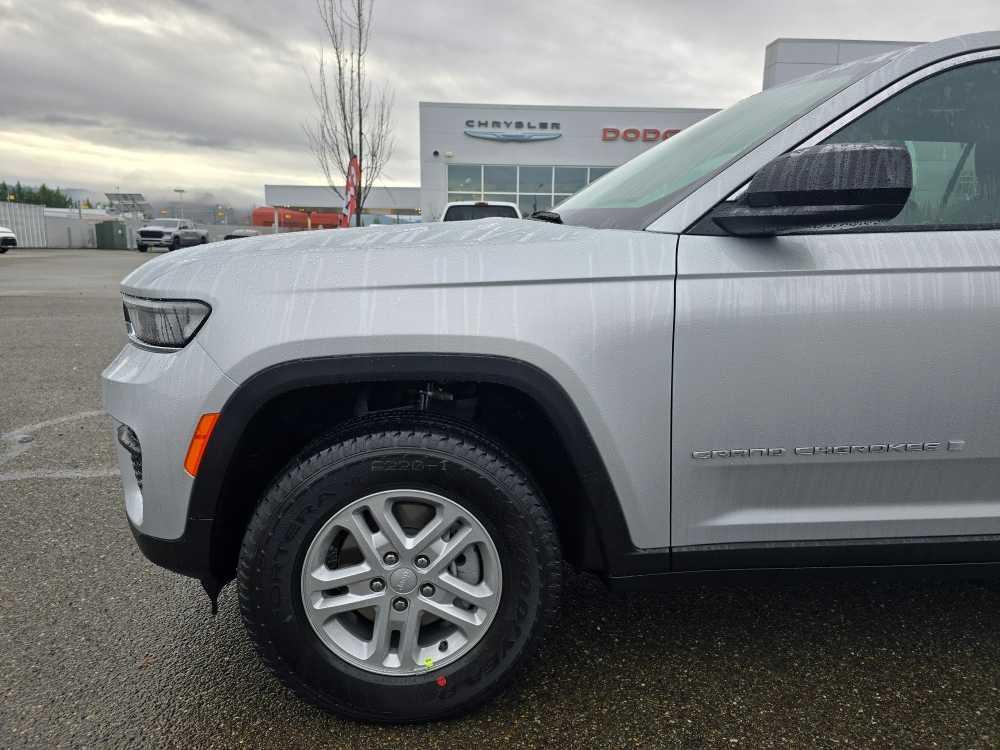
[[514, 131]]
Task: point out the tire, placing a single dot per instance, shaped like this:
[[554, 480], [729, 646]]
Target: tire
[[142, 248], [204, 241], [433, 459], [3, 250], [175, 243]]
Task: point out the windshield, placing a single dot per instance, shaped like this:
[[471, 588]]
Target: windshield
[[641, 190], [169, 223], [466, 213]]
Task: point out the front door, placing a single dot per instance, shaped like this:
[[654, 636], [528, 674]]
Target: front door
[[846, 385]]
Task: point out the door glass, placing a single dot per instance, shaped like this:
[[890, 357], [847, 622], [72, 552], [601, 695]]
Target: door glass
[[950, 124]]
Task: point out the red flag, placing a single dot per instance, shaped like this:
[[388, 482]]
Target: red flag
[[351, 192]]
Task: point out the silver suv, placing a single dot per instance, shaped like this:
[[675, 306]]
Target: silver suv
[[769, 343], [172, 234]]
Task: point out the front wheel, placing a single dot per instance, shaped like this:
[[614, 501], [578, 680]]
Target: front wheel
[[400, 575], [142, 248]]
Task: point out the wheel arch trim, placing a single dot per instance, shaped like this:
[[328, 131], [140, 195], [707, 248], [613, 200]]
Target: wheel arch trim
[[616, 549]]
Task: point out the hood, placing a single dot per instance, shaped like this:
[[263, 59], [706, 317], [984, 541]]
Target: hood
[[6, 230], [412, 255]]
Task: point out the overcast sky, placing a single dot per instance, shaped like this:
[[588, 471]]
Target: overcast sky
[[210, 95]]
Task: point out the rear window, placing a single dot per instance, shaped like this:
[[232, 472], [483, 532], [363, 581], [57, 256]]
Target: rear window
[[467, 213]]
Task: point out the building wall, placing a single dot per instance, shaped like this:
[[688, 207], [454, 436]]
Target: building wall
[[594, 138], [27, 221], [787, 59]]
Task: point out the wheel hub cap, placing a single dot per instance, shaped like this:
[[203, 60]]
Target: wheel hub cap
[[403, 580]]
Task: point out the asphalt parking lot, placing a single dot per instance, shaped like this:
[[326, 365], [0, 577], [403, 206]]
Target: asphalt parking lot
[[100, 648]]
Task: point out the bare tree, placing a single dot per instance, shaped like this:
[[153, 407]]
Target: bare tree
[[353, 118]]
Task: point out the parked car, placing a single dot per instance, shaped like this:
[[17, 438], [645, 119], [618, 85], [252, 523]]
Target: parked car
[[238, 234], [469, 210], [766, 345], [7, 239], [171, 234]]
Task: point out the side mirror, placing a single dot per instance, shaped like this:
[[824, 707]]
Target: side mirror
[[819, 187]]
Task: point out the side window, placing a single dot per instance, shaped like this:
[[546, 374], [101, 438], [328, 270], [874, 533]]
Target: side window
[[950, 123]]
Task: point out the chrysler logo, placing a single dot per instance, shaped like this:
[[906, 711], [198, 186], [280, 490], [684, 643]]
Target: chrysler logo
[[512, 131]]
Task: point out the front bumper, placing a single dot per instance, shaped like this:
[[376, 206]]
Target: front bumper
[[189, 554], [155, 241], [161, 396]]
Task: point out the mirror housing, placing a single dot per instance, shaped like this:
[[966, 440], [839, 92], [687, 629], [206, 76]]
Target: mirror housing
[[822, 187]]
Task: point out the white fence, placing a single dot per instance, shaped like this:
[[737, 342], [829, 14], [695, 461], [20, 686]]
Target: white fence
[[27, 221]]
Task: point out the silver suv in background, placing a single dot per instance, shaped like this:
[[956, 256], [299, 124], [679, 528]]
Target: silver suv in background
[[171, 234], [765, 345]]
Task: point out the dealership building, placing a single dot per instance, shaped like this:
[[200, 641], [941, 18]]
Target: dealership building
[[537, 156]]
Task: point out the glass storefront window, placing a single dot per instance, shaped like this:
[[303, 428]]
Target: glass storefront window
[[465, 177], [500, 179], [531, 203], [535, 180], [570, 179], [596, 172], [532, 188]]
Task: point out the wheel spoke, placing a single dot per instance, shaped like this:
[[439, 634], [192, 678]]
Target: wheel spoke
[[326, 607], [449, 550], [381, 634], [474, 593], [387, 621], [408, 637], [388, 524], [469, 622], [444, 516], [355, 524], [324, 578]]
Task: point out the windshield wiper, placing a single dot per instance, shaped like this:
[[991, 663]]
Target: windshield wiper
[[549, 216]]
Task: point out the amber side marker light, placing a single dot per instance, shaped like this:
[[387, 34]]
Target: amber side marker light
[[199, 441]]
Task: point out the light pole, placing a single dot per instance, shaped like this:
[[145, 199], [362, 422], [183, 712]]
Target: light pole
[[180, 193]]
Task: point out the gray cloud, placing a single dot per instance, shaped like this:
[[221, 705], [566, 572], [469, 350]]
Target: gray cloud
[[226, 80]]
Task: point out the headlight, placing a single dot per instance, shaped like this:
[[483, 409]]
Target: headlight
[[166, 323]]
